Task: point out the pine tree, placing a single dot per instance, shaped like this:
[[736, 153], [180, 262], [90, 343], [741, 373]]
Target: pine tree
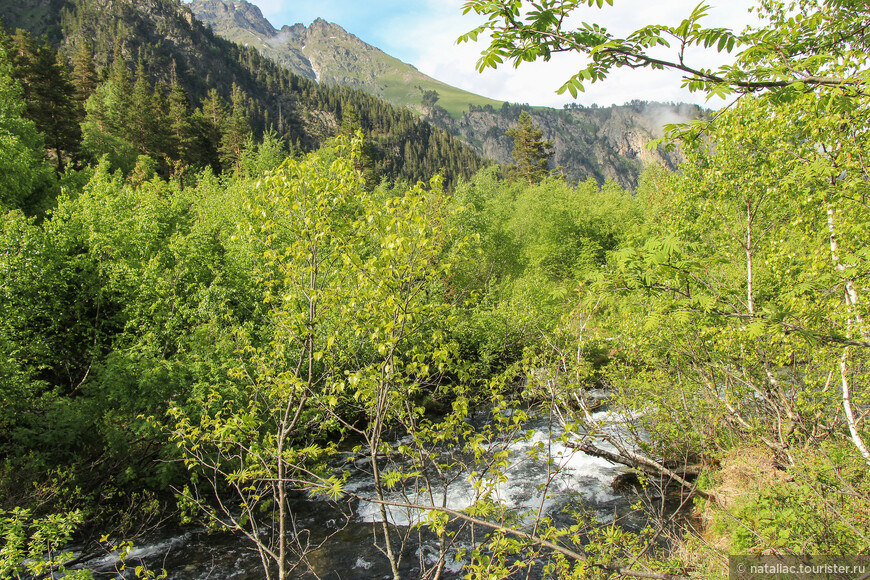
[[236, 133], [84, 76], [141, 116], [531, 153], [209, 121]]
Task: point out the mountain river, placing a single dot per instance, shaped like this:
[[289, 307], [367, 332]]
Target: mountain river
[[348, 531]]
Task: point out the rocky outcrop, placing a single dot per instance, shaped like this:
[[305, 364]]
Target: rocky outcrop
[[602, 143], [244, 23], [241, 14]]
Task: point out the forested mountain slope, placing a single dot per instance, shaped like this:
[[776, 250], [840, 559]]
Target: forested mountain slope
[[174, 47]]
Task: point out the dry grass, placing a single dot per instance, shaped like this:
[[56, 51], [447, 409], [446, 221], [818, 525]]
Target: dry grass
[[743, 473]]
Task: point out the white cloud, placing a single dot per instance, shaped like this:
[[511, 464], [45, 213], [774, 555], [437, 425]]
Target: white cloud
[[536, 83]]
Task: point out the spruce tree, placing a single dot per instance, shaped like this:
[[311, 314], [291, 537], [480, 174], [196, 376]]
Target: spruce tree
[[22, 52], [106, 129], [531, 153], [181, 133], [63, 130], [48, 93], [236, 133], [120, 85], [209, 122], [350, 122], [84, 75], [160, 134], [141, 117]]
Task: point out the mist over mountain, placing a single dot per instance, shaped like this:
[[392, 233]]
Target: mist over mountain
[[601, 143]]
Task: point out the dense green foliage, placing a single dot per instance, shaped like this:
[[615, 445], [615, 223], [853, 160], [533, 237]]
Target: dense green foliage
[[748, 297], [202, 343], [137, 310], [532, 245], [736, 310]]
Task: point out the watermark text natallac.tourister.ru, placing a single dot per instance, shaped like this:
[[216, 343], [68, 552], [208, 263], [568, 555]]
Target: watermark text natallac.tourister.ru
[[799, 567]]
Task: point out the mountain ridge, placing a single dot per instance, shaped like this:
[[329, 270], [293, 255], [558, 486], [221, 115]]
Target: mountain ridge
[[326, 52], [244, 23]]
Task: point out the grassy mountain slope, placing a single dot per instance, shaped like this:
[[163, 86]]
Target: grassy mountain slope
[[342, 58], [333, 56]]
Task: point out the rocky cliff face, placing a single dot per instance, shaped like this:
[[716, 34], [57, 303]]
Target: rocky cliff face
[[242, 14], [322, 51], [602, 143]]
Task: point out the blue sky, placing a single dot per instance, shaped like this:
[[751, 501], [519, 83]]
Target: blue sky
[[372, 21], [424, 32]]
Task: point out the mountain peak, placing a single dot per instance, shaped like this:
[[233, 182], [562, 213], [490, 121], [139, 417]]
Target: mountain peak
[[241, 13], [321, 26], [326, 52], [244, 23]]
